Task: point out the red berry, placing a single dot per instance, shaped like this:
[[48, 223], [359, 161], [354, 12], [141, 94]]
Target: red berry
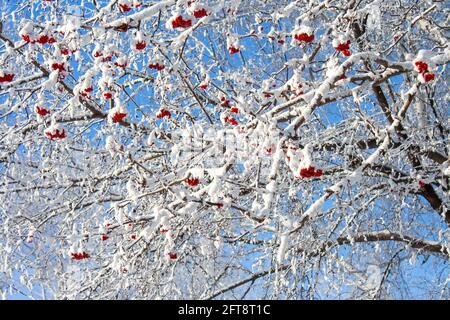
[[421, 66], [156, 66], [344, 48], [140, 45], [26, 38], [163, 113], [43, 39], [172, 255], [105, 237], [107, 95], [58, 66], [7, 77], [304, 37], [231, 121], [318, 173], [118, 116], [121, 65], [85, 92], [200, 13], [56, 135], [310, 172], [124, 8], [428, 76], [234, 110], [224, 102], [107, 58], [133, 236], [80, 255], [233, 50], [179, 22], [192, 181], [41, 111]]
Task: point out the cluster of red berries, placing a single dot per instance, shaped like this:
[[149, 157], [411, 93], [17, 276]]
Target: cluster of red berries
[[107, 95], [140, 45], [180, 22], [233, 50], [125, 7], [57, 134], [310, 172], [203, 86], [163, 113], [224, 102], [422, 68], [172, 255], [118, 116], [86, 91], [43, 39], [230, 120], [156, 66], [344, 48], [304, 37], [7, 77], [200, 13], [64, 51], [58, 66], [106, 58], [80, 255], [120, 65], [192, 181], [41, 111]]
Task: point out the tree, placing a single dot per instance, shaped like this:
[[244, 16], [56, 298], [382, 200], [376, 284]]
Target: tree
[[224, 149]]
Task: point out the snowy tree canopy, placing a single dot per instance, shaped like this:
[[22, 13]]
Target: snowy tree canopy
[[213, 149]]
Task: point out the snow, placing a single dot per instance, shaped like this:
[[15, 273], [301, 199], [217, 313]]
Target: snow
[[284, 238], [144, 14], [112, 146], [300, 106], [132, 191]]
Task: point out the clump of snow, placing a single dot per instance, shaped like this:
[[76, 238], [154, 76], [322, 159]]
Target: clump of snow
[[284, 239]]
